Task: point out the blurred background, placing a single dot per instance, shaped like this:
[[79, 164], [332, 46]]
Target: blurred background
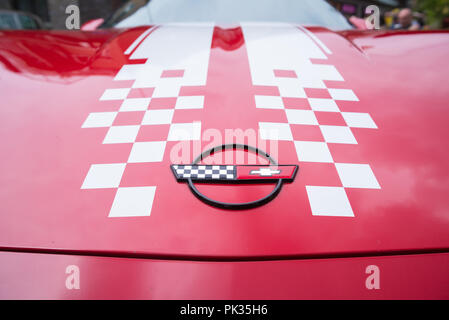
[[50, 14]]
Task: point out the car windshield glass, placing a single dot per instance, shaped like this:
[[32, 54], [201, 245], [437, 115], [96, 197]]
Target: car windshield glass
[[27, 22], [7, 21], [305, 12]]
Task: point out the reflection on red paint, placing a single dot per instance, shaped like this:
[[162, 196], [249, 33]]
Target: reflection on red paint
[[227, 39]]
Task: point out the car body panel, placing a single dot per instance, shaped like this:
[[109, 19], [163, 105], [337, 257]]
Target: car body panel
[[52, 83], [55, 276]]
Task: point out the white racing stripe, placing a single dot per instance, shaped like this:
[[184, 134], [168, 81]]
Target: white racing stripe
[[138, 40], [318, 41], [175, 57], [280, 55]]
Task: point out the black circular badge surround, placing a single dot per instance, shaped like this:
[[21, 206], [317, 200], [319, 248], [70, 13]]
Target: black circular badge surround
[[235, 206]]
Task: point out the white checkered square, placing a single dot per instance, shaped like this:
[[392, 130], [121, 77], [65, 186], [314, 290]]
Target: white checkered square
[[358, 120], [313, 151], [167, 88], [275, 131], [325, 72], [129, 72], [135, 104], [290, 88], [354, 175], [150, 151], [133, 202], [99, 120], [319, 104], [115, 94], [184, 131], [121, 134], [102, 176], [190, 102], [338, 134], [343, 94], [329, 201], [295, 116], [163, 116], [269, 102]]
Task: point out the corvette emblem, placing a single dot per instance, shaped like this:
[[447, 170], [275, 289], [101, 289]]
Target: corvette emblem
[[234, 174]]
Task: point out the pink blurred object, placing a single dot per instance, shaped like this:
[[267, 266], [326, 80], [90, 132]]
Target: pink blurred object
[[359, 23], [92, 24]]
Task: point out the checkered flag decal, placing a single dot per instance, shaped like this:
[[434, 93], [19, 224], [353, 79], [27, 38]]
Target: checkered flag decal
[[199, 172]]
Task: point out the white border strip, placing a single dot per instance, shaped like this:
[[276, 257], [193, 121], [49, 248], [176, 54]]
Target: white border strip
[[138, 40], [314, 38]]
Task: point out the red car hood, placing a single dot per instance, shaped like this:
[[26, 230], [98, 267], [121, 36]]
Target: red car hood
[[89, 119]]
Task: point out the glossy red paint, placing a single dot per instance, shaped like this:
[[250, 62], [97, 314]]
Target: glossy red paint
[[271, 172], [51, 81], [43, 276]]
